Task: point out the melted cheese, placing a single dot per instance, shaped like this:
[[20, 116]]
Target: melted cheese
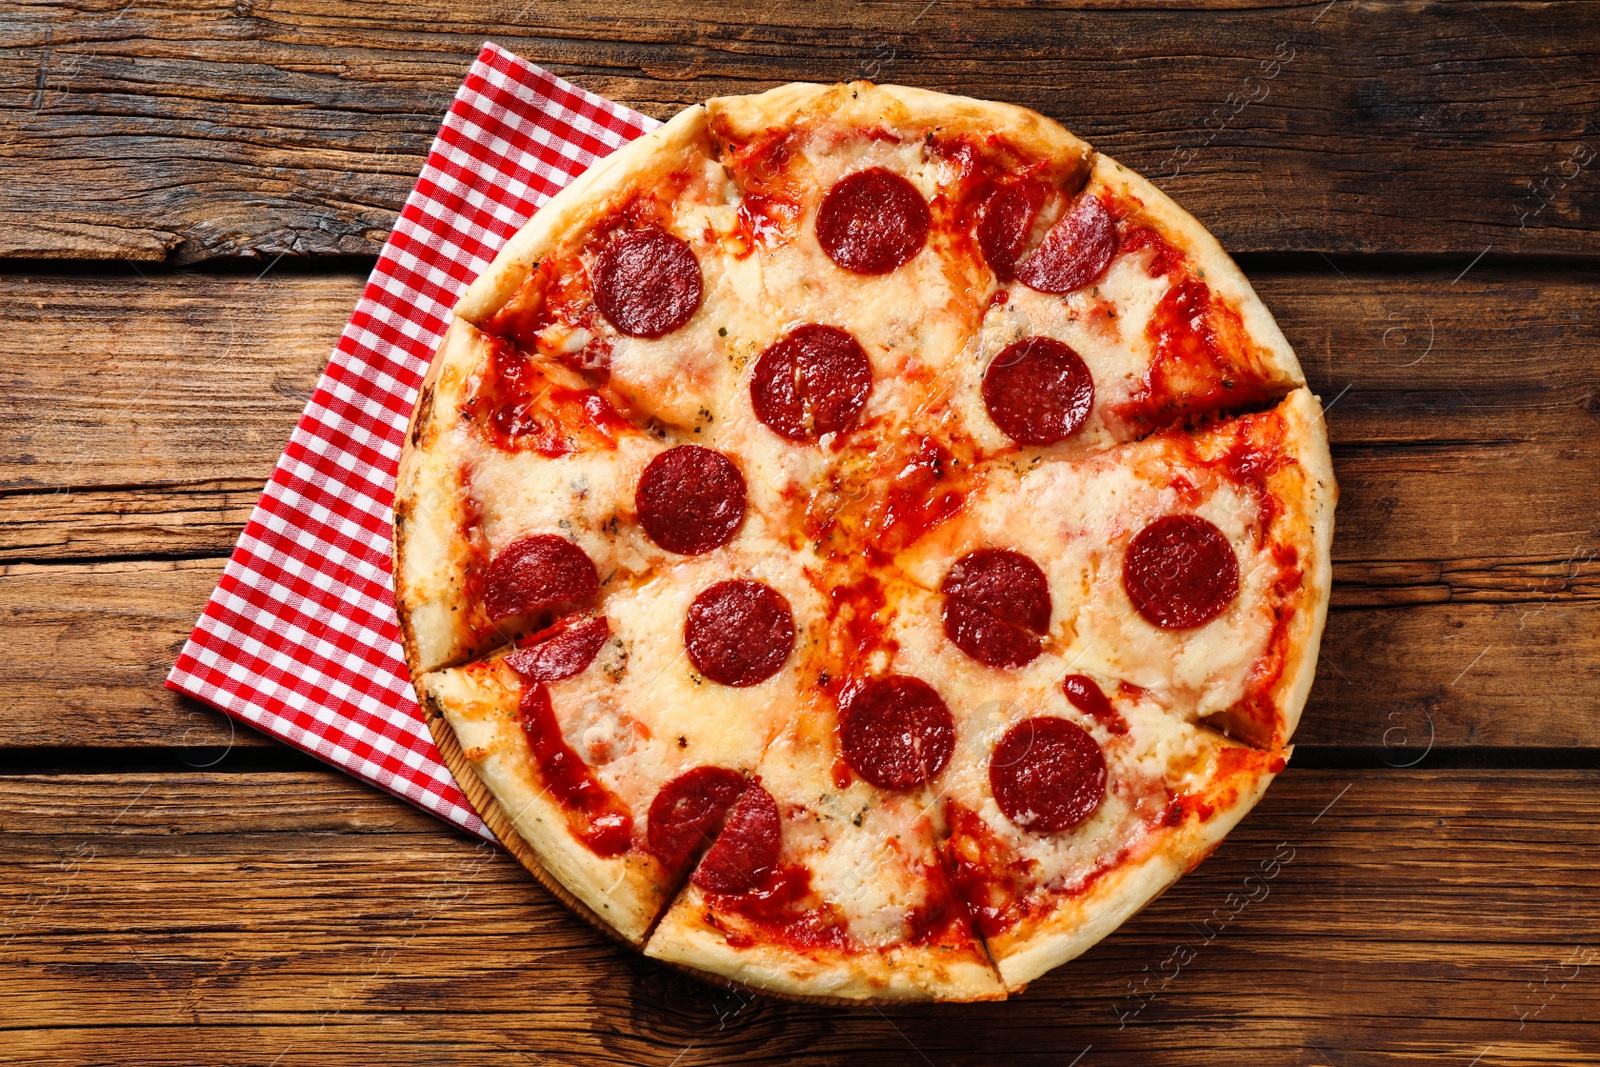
[[643, 715], [1075, 521]]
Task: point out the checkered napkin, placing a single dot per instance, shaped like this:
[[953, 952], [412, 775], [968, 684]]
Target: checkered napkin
[[299, 638]]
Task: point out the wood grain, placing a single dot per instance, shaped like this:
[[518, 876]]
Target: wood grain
[[113, 380], [193, 129], [87, 649], [177, 521], [1411, 917]]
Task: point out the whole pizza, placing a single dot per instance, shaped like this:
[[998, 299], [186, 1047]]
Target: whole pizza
[[863, 543]]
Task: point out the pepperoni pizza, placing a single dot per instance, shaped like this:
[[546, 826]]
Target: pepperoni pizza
[[863, 543]]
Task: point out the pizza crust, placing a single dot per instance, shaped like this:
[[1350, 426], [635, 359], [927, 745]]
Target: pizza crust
[[865, 105], [1310, 517], [1306, 493], [429, 558], [909, 972], [499, 823]]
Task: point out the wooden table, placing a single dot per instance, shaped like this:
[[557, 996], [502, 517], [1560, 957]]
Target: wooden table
[[191, 193]]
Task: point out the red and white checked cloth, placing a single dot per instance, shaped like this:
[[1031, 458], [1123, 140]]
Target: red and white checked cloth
[[299, 638]]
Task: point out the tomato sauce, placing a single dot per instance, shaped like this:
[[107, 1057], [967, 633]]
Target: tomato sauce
[[767, 221], [596, 816], [1199, 352], [984, 874], [782, 908], [942, 917], [556, 298], [918, 499], [517, 406], [1135, 237], [761, 165]]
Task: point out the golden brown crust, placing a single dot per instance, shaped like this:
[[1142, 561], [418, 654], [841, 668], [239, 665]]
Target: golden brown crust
[[1309, 513], [496, 819], [900, 108], [429, 550], [479, 703], [908, 972]]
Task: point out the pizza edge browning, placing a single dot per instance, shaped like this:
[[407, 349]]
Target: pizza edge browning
[[425, 489], [684, 937], [495, 817], [425, 472], [1076, 925], [1310, 522]]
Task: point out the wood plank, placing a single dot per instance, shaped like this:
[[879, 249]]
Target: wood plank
[[194, 129], [184, 381], [1463, 408], [88, 650], [1465, 417], [91, 644], [1355, 917], [199, 519]]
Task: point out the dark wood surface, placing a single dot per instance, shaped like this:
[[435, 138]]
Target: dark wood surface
[[190, 197]]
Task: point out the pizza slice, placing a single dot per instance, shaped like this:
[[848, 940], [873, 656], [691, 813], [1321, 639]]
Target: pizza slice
[[1068, 811], [1192, 566], [1112, 314], [582, 729], [823, 883]]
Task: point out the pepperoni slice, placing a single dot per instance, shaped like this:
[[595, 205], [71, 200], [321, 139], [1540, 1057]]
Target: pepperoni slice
[[1038, 391], [537, 572], [747, 848], [872, 221], [1005, 218], [739, 633], [813, 381], [995, 602], [896, 732], [1087, 696], [1180, 572], [686, 815], [1076, 251], [647, 282], [690, 500], [1047, 774], [560, 651]]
